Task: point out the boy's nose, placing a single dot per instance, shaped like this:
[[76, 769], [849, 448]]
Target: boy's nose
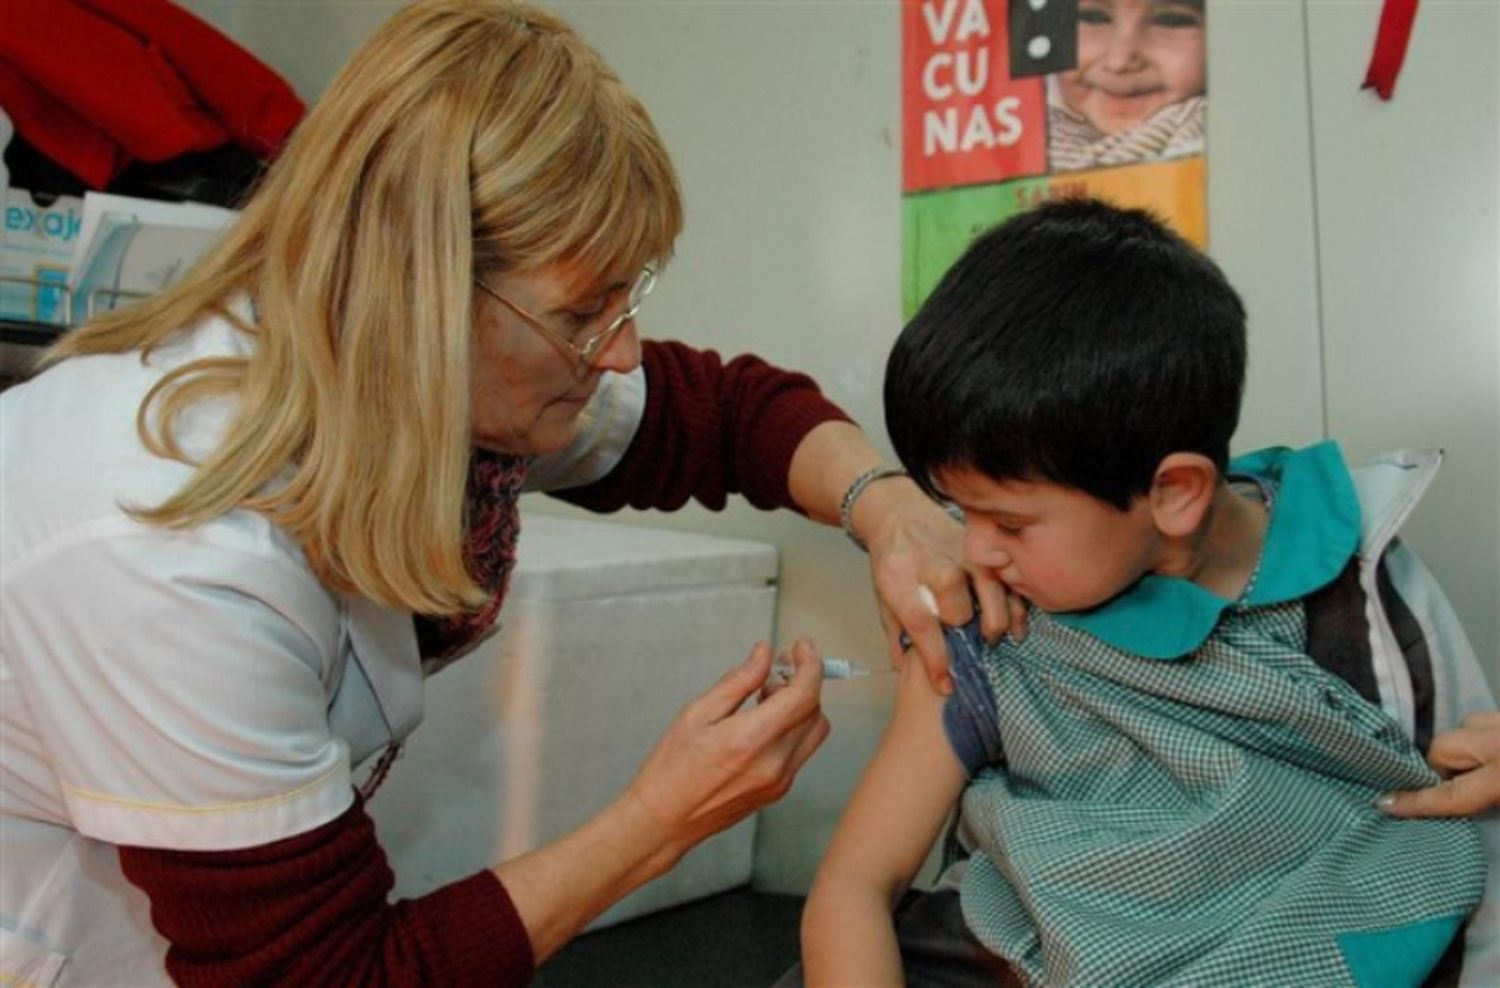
[[981, 549]]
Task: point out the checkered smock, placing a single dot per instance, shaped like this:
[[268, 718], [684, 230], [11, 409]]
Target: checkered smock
[[1206, 820]]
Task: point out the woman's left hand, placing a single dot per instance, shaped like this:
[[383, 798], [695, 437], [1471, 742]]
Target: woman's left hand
[[916, 549], [917, 560]]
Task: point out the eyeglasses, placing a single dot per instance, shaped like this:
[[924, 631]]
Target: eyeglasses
[[587, 350]]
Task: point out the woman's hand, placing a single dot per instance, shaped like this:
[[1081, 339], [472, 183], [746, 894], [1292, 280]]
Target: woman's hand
[[717, 763], [1468, 757], [914, 546]]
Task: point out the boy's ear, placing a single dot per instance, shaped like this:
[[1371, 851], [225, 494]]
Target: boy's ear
[[1182, 492]]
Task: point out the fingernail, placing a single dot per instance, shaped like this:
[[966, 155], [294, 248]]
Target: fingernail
[[948, 686], [1386, 802]]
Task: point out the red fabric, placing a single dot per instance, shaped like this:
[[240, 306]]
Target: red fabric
[[56, 130], [711, 429], [1391, 39], [257, 107], [96, 83], [311, 910]]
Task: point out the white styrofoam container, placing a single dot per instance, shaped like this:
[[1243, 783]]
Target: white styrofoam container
[[606, 632]]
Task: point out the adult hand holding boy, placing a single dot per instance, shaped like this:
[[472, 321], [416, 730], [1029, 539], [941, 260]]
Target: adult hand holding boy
[[920, 590], [1469, 759]]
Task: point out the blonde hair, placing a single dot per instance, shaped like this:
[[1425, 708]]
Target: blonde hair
[[463, 136]]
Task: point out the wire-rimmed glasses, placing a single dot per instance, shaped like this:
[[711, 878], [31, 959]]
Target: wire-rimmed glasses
[[589, 348]]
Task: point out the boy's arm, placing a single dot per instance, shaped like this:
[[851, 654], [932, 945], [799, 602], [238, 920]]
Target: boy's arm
[[896, 813]]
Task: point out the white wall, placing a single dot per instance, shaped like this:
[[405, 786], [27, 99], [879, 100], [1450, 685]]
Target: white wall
[[1407, 200], [1363, 236]]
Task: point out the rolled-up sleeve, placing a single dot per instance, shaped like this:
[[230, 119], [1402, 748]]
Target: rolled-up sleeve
[[969, 714]]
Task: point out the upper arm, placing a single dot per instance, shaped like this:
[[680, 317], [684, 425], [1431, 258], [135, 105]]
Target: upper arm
[[904, 797]]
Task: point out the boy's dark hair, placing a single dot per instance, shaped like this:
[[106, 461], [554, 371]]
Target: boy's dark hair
[[1077, 343]]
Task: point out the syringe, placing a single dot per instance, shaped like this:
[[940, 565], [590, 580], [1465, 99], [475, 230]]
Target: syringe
[[848, 668], [832, 669]]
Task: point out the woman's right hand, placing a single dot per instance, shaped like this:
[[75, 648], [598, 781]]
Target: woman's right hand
[[719, 763], [715, 765]]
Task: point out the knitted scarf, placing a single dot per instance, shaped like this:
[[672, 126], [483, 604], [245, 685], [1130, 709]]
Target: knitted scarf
[[492, 522]]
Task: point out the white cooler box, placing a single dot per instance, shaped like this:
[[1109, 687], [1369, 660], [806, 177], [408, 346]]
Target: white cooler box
[[607, 631]]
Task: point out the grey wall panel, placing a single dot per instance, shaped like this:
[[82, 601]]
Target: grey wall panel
[[1408, 192]]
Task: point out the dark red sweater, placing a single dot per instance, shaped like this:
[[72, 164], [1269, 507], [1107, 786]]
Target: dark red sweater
[[312, 909]]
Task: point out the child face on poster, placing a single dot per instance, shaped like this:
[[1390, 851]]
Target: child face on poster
[[1134, 57]]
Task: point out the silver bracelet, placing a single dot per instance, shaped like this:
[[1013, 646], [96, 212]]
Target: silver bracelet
[[846, 506]]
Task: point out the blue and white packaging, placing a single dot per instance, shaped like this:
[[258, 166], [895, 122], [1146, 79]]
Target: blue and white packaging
[[36, 255]]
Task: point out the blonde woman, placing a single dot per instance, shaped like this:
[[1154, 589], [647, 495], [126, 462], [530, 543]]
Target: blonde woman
[[243, 518]]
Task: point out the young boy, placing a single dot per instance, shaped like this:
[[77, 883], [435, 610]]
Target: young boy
[[1173, 779]]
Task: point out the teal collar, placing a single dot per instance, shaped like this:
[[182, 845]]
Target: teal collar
[[1313, 532]]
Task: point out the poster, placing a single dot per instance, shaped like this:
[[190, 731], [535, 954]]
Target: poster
[[1007, 103]]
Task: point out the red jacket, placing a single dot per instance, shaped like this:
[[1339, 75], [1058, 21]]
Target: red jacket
[[95, 84]]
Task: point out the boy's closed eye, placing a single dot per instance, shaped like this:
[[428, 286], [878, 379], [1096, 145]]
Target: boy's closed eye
[[1006, 524], [992, 517]]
